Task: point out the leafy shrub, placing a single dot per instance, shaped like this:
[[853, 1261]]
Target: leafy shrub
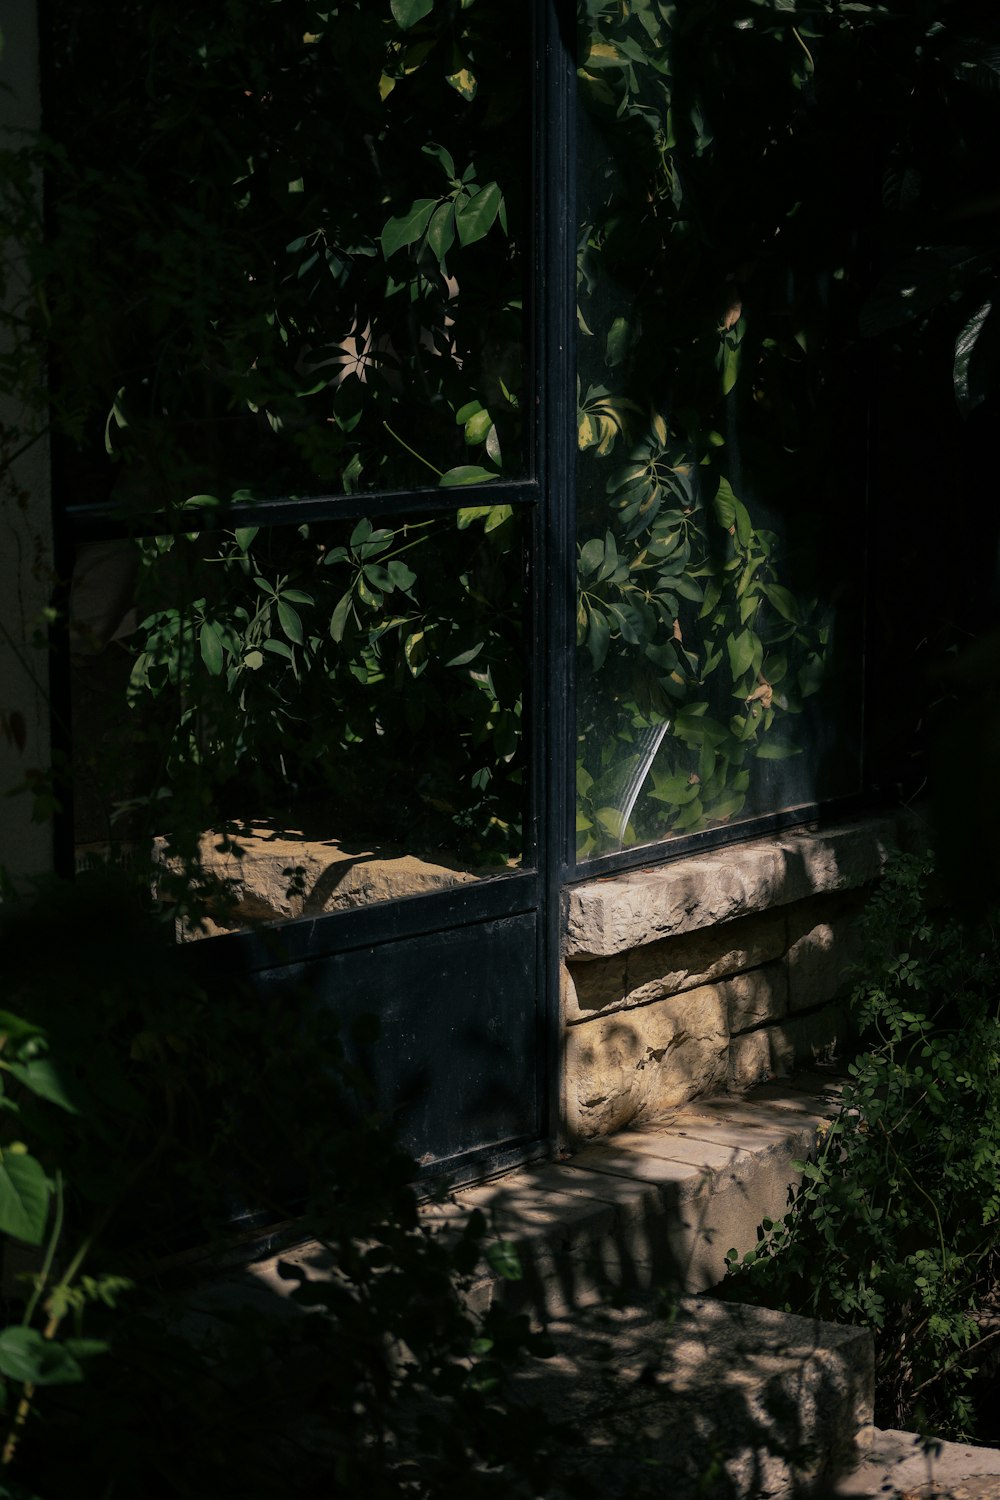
[[897, 1222]]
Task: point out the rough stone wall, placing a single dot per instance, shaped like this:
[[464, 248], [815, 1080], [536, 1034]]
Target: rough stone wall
[[713, 973]]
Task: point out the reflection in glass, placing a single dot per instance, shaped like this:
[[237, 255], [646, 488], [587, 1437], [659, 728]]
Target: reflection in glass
[[307, 267], [304, 718], [720, 434]]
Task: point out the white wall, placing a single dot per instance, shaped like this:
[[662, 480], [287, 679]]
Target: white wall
[[26, 570]]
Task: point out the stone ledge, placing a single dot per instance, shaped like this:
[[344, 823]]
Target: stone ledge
[[610, 916]]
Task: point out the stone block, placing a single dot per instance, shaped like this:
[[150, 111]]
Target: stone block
[[776, 1051], [696, 958], [756, 997], [841, 858], [824, 940], [659, 970], [759, 1055], [610, 916], [599, 984], [650, 1059], [818, 1036]]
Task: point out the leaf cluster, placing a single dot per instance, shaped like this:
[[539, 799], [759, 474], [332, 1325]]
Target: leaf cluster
[[897, 1222]]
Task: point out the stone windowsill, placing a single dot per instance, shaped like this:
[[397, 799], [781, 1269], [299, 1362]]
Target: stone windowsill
[[622, 912]]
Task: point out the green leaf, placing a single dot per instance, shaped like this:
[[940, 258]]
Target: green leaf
[[464, 657], [502, 1257], [441, 231], [771, 750], [617, 343], [441, 154], [407, 13], [497, 516], [591, 555], [277, 648], [407, 228], [598, 638], [474, 216], [783, 600], [28, 1357], [741, 650], [470, 513], [254, 660], [41, 1076], [211, 648], [724, 504], [467, 474], [245, 535], [477, 427], [402, 577], [24, 1197], [291, 622], [16, 1029], [744, 525]]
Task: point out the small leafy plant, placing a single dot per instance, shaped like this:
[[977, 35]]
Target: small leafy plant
[[897, 1222]]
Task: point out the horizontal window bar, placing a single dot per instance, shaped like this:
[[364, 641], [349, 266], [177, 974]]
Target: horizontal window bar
[[646, 856], [94, 523], [305, 938]]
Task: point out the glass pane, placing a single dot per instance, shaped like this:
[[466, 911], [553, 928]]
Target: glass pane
[[721, 441], [296, 720], [305, 272]]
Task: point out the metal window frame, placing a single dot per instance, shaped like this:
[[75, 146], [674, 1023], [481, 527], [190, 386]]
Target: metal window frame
[[547, 497]]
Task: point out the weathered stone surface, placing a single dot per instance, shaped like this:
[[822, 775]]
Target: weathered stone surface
[[824, 940], [761, 995], [597, 985], [818, 1036], [757, 1056], [658, 970], [611, 916], [280, 873], [724, 1401], [776, 1051], [645, 1060]]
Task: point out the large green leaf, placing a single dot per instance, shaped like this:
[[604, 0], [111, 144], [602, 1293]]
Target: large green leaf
[[598, 638], [211, 648], [474, 216], [467, 474], [741, 652], [441, 230], [24, 1197], [42, 1076], [26, 1356], [407, 228], [407, 13]]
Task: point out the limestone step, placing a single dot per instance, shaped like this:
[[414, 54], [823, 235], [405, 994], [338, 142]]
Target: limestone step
[[676, 1395], [656, 1207], [706, 1399]]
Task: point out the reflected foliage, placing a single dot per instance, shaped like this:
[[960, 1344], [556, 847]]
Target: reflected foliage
[[715, 289]]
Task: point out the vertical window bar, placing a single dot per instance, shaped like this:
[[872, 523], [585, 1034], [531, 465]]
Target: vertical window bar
[[555, 575]]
